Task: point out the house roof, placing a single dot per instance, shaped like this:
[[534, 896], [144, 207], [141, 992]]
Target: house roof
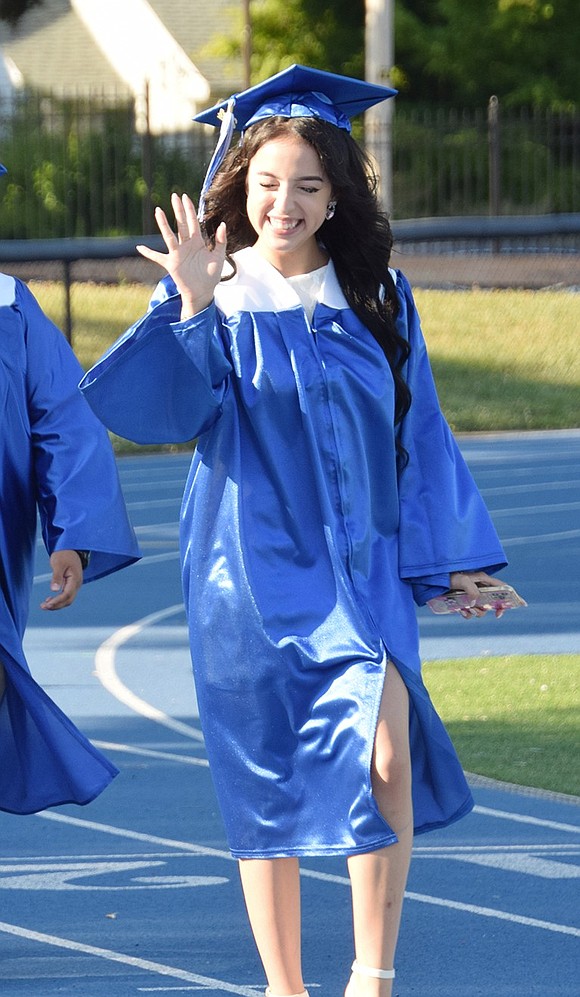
[[54, 51], [198, 23]]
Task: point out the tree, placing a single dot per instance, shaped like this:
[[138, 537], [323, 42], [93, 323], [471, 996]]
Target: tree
[[448, 51], [12, 10], [312, 32], [462, 51]]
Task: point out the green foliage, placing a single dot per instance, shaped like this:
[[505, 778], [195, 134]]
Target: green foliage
[[462, 51], [441, 161], [325, 35], [77, 168], [447, 51]]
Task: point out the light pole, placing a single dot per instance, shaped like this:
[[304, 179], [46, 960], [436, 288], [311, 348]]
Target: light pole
[[247, 43], [379, 60]]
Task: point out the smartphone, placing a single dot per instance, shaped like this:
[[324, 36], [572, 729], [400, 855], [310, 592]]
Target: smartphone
[[493, 597]]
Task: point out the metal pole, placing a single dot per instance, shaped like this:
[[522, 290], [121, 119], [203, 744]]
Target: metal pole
[[379, 60], [247, 43], [148, 211], [68, 326], [494, 156]]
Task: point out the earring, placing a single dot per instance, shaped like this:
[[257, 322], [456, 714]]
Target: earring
[[330, 210]]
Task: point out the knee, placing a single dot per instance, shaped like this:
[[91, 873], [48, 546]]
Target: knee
[[391, 787], [391, 770]]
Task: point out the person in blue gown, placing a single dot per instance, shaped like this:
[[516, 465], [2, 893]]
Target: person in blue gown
[[57, 462], [326, 498]]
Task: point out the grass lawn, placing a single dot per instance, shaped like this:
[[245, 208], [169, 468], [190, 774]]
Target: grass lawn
[[501, 359], [513, 718], [504, 359]]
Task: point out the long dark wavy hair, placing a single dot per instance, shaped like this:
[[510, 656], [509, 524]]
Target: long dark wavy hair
[[358, 238]]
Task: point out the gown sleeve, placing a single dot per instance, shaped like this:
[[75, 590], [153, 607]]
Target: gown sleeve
[[78, 492], [444, 523], [163, 381], [58, 463]]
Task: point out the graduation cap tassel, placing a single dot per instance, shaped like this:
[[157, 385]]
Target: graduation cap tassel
[[228, 124]]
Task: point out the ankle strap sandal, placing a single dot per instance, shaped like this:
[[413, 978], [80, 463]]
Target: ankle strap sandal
[[377, 974], [270, 994]]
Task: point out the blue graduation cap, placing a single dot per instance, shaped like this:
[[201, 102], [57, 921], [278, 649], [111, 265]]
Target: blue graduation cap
[[296, 92]]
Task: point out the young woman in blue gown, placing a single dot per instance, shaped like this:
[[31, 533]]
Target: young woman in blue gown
[[326, 498]]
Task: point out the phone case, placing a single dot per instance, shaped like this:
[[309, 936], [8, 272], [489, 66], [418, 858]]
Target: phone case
[[490, 597]]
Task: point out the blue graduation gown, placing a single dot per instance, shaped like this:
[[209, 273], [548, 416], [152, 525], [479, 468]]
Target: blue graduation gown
[[304, 547], [55, 458]]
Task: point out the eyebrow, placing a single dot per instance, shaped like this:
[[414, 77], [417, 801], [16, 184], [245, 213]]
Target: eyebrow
[[265, 173]]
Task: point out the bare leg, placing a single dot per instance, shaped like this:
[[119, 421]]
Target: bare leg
[[272, 894], [378, 878]]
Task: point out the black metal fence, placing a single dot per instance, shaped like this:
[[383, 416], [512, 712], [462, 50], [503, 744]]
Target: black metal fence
[[535, 252], [81, 168]]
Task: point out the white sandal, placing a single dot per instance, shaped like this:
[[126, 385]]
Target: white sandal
[[377, 974]]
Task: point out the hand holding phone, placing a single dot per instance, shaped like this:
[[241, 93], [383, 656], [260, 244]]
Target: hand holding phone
[[495, 597]]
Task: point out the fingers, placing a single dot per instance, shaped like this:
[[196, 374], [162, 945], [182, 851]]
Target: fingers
[[221, 237], [190, 214], [152, 254], [186, 223], [470, 582], [185, 217], [67, 578]]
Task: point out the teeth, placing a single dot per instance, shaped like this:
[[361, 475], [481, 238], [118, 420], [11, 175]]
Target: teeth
[[283, 226]]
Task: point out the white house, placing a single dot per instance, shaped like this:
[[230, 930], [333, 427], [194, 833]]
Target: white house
[[157, 51]]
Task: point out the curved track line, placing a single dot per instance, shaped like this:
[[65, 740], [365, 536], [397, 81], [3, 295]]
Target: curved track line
[[105, 668]]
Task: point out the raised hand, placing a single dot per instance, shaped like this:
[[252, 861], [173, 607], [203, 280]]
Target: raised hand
[[195, 268]]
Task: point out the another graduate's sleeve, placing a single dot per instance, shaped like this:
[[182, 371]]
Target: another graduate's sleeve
[[78, 492], [163, 381], [444, 523]]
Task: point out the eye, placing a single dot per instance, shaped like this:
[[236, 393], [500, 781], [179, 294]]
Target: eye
[[310, 190], [267, 186]]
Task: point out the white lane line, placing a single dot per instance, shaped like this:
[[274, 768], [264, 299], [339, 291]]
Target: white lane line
[[532, 510], [501, 915], [543, 486], [156, 503], [106, 673], [122, 832], [207, 982], [150, 753], [314, 874], [541, 538], [528, 922], [526, 819], [444, 851]]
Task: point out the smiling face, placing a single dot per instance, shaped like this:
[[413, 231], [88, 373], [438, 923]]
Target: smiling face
[[287, 197]]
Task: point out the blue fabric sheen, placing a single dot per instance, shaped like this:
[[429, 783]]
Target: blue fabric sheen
[[55, 460], [303, 546]]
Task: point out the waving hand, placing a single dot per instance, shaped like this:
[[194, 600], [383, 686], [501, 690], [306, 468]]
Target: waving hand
[[195, 268]]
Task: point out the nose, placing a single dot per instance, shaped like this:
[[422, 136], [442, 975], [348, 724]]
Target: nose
[[283, 198]]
